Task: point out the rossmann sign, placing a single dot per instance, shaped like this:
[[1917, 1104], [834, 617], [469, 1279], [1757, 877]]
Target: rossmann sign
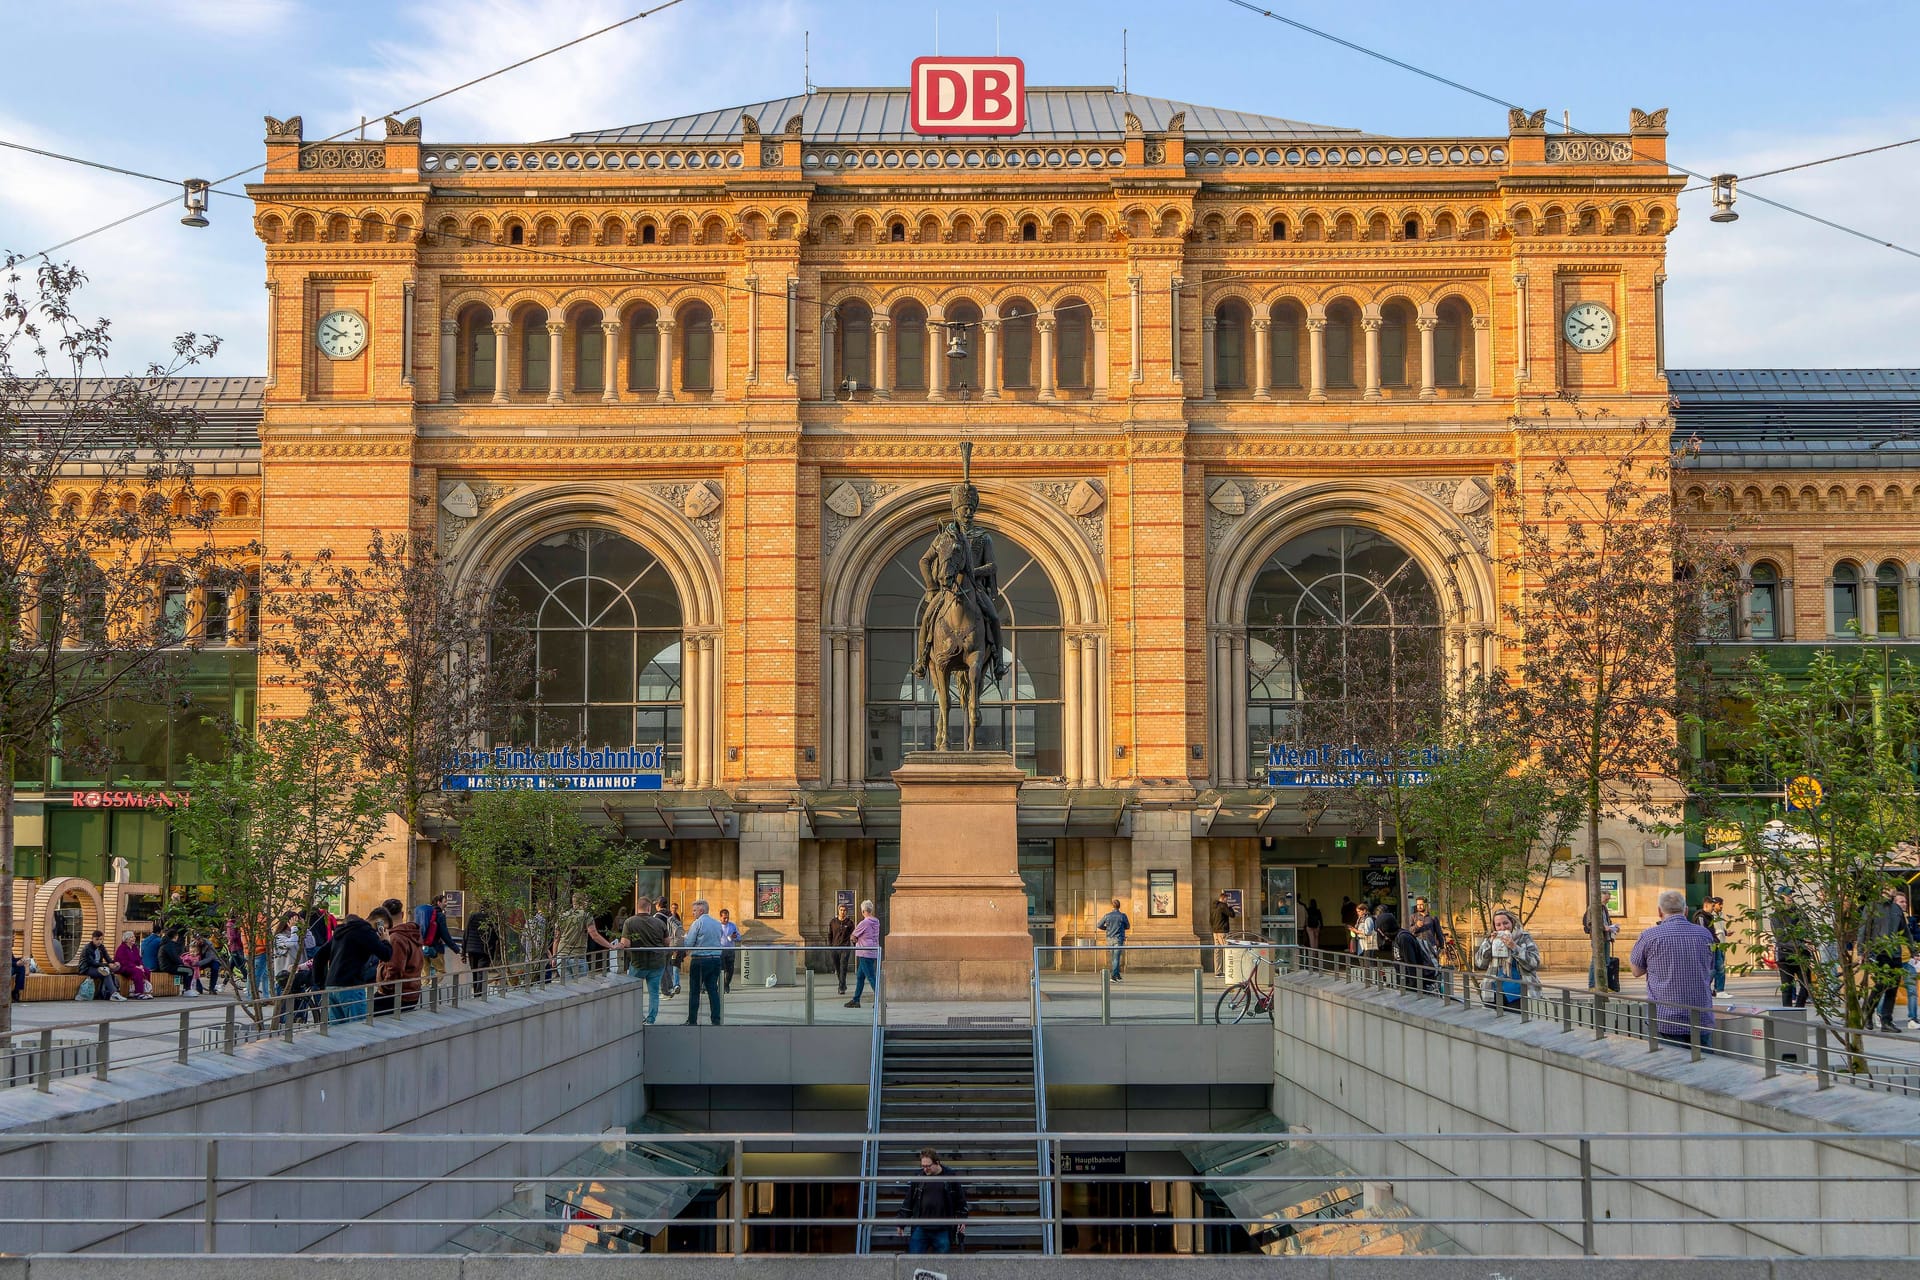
[[984, 96]]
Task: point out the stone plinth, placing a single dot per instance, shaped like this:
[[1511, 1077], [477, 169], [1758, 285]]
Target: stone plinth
[[958, 927]]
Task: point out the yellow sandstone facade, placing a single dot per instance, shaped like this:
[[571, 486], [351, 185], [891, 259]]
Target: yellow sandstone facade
[[1193, 339]]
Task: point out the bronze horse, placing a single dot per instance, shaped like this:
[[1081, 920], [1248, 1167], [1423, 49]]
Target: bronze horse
[[958, 642]]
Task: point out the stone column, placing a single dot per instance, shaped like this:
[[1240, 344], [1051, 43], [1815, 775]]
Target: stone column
[[692, 719], [712, 721], [1209, 337], [1520, 371], [990, 360], [237, 610], [853, 742], [1316, 357], [1220, 715], [1098, 325], [1370, 325], [1426, 325], [1070, 709], [663, 358], [610, 361], [1785, 624], [1262, 359], [1482, 357], [719, 358], [449, 360], [556, 365], [502, 333], [1045, 324], [838, 712], [829, 363], [1093, 762], [1135, 371], [1237, 745], [936, 354], [882, 358]]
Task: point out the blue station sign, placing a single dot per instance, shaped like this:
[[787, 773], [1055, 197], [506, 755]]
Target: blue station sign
[[1328, 765], [562, 769]]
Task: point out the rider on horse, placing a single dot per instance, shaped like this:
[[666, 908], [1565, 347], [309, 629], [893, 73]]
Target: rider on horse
[[972, 578]]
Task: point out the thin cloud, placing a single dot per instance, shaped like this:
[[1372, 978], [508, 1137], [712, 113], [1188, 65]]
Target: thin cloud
[[1776, 290], [643, 71]]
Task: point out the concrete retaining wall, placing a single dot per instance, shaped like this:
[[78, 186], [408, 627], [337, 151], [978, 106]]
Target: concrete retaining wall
[[1349, 1060], [1243, 1267], [554, 1060]]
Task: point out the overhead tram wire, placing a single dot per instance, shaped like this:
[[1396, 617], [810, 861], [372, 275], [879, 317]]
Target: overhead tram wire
[[1810, 164], [335, 137], [1437, 78]]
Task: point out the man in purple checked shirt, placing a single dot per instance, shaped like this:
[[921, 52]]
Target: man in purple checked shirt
[[1676, 959]]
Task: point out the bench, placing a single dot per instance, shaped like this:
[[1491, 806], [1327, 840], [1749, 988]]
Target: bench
[[62, 986]]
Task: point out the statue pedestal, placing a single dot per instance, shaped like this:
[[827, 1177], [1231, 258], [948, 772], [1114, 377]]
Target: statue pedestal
[[958, 914]]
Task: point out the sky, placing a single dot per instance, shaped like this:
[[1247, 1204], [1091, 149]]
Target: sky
[[178, 88]]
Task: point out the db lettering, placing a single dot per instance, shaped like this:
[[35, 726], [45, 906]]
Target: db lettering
[[969, 95]]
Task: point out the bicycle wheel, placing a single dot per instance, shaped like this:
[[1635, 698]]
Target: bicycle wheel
[[1233, 1004]]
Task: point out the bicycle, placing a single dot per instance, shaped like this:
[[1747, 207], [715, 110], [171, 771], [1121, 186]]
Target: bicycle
[[1247, 995]]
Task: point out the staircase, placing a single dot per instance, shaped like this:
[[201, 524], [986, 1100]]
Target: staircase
[[975, 1082]]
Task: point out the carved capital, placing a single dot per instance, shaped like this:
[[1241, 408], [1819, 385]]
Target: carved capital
[[1316, 324], [1045, 324], [501, 328], [1426, 324], [1370, 323], [556, 327], [665, 325], [610, 327], [1262, 323], [450, 326], [882, 324]]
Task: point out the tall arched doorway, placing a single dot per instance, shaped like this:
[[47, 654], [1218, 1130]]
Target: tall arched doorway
[[1022, 714], [608, 625]]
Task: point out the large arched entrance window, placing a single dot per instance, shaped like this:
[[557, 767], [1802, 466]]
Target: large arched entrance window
[[1022, 714], [1339, 619], [607, 621]]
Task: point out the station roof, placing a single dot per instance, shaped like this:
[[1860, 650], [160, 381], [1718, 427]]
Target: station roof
[[881, 115], [229, 409], [1798, 419]]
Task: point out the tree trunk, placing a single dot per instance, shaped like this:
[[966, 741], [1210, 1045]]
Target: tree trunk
[[6, 886], [1598, 942]]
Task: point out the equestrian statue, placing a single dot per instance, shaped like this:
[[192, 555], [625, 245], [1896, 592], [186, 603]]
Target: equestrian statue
[[959, 621]]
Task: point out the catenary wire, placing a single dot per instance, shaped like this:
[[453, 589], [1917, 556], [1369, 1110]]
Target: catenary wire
[[1810, 164], [334, 137], [1436, 77]]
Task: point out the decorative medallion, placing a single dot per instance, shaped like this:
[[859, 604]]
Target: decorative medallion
[[1083, 500], [702, 500], [1471, 497], [1086, 499], [1229, 503], [698, 501], [460, 501], [845, 501], [461, 504]]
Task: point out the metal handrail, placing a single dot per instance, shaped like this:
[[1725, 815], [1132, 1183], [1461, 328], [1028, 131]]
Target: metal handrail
[[1046, 1154], [870, 1146], [1577, 1147]]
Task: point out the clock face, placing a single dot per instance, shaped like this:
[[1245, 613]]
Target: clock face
[[341, 335], [1589, 327]]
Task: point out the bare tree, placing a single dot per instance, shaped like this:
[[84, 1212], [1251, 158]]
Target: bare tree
[[1365, 659], [1610, 591], [420, 665], [101, 536]]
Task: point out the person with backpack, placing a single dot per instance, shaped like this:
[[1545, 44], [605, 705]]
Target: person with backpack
[[936, 1205], [644, 939], [436, 937], [1411, 963], [1508, 960], [481, 947], [347, 964]]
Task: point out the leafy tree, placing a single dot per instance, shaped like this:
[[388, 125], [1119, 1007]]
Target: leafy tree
[[284, 811], [1609, 590], [1851, 724], [100, 534], [1490, 819], [420, 665], [526, 849]]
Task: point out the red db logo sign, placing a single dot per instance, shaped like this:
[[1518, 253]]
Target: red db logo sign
[[969, 95]]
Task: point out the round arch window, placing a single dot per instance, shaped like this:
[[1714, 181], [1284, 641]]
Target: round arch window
[[606, 619], [1022, 714], [1338, 617]]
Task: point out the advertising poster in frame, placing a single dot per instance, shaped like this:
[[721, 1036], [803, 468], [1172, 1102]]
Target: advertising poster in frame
[[1613, 890], [845, 898], [1162, 898], [769, 895]]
